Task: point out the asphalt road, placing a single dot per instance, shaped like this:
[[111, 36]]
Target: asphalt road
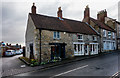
[[10, 63], [105, 65]]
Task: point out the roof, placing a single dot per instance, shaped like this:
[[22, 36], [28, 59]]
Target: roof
[[118, 22], [65, 25], [114, 20], [101, 24]]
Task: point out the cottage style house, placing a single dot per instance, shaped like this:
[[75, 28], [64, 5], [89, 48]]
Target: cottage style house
[[107, 39], [48, 37]]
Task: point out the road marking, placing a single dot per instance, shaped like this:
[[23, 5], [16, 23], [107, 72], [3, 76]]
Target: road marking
[[114, 75], [70, 71]]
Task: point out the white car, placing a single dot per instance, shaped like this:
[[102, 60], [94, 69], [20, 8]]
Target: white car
[[18, 52], [9, 53]]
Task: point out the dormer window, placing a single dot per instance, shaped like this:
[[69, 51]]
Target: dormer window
[[56, 35], [80, 37]]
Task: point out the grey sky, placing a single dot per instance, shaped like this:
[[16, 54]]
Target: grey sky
[[15, 13]]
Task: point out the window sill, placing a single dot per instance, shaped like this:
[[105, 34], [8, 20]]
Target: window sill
[[56, 38], [80, 39]]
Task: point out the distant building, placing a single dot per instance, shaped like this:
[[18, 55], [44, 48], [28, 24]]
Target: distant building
[[107, 39], [6, 46]]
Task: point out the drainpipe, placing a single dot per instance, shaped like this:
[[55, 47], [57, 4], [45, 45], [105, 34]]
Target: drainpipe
[[40, 45], [100, 41]]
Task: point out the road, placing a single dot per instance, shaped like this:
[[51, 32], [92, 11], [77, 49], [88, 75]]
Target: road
[[105, 65], [10, 63]]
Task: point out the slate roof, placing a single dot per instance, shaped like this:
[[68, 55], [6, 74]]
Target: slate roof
[[65, 25], [101, 24]]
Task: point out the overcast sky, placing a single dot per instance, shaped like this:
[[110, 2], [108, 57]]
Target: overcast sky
[[15, 13]]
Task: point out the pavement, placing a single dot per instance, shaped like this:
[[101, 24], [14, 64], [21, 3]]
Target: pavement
[[14, 66]]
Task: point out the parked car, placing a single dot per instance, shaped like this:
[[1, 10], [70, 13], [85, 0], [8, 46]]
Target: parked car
[[21, 50], [18, 52], [14, 52], [9, 53]]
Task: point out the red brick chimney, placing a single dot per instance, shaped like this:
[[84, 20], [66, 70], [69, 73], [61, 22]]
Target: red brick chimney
[[101, 15], [59, 13], [33, 9], [87, 15]]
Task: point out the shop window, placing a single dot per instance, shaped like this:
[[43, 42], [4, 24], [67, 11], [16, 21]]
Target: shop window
[[75, 47]]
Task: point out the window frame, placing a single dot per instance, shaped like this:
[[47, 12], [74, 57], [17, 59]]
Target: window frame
[[55, 35], [94, 38], [113, 34], [109, 34], [81, 36], [104, 33]]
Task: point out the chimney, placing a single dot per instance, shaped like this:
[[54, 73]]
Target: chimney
[[7, 44], [101, 15], [59, 13], [87, 15], [16, 44], [33, 9]]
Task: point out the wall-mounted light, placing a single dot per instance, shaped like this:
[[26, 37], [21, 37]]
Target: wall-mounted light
[[64, 32]]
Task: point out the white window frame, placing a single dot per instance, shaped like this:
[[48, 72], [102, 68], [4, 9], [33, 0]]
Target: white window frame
[[55, 35], [80, 35], [104, 33], [113, 34], [81, 47]]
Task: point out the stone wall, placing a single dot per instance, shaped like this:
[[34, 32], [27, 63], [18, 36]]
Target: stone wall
[[47, 37], [32, 37]]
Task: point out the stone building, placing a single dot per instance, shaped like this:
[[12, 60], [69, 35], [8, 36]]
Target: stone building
[[49, 37], [107, 33], [116, 26], [118, 34]]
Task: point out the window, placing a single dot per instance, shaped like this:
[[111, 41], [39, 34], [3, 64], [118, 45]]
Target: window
[[80, 37], [109, 34], [56, 35], [94, 38], [113, 35], [104, 33], [75, 47], [78, 47]]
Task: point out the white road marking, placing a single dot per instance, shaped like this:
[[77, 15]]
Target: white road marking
[[114, 75], [70, 71]]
